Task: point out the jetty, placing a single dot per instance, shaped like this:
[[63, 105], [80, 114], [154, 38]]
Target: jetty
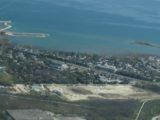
[[7, 25]]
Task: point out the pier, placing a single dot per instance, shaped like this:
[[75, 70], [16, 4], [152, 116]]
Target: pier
[[7, 25], [40, 35]]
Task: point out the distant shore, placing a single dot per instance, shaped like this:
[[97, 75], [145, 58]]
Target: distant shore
[[146, 44]]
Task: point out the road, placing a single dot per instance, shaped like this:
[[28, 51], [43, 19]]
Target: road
[[143, 104], [140, 110], [156, 118]]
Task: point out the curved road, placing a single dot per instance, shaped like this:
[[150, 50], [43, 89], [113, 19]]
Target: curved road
[[143, 104], [140, 110]]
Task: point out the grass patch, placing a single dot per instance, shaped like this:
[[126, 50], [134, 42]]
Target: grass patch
[[150, 110], [92, 110], [6, 79]]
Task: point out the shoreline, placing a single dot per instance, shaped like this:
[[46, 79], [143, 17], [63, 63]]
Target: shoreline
[[89, 53]]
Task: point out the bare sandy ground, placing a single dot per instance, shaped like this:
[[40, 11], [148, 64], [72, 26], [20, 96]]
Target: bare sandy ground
[[85, 92]]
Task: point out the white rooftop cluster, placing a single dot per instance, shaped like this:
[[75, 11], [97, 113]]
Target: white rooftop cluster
[[107, 66]]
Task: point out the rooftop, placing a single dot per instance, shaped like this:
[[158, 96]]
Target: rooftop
[[31, 114]]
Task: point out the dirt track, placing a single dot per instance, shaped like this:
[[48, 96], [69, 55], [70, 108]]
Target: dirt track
[[85, 92]]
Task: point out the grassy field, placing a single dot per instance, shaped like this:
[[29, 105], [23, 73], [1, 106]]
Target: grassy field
[[6, 79], [92, 110], [150, 110]]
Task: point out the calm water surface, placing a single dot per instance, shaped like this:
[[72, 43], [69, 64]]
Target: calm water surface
[[103, 26]]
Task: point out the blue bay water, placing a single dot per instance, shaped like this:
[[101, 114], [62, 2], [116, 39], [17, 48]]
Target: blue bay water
[[103, 27]]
